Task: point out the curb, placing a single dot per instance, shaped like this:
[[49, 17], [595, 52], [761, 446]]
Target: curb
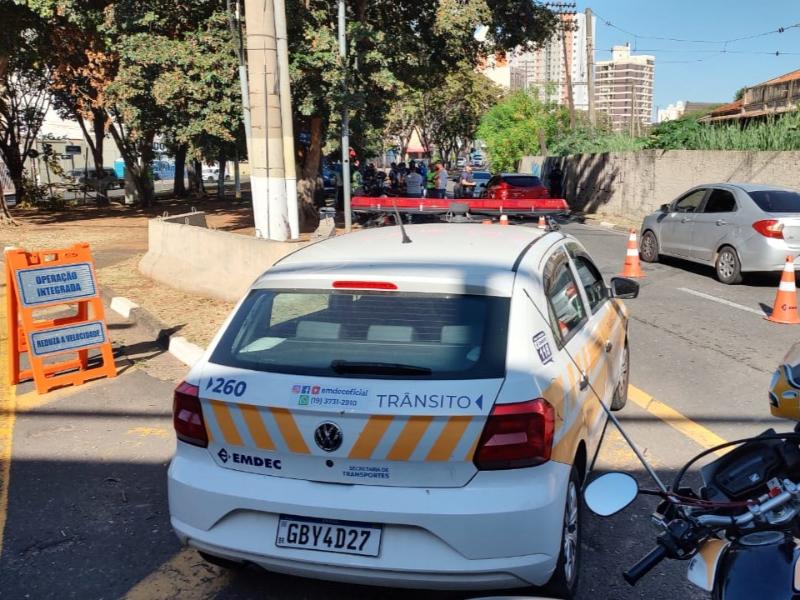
[[608, 224], [177, 345]]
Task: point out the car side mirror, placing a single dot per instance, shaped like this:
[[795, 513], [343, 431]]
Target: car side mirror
[[610, 493], [624, 288], [664, 208]]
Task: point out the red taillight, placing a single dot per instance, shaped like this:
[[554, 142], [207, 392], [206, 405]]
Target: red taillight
[[516, 435], [187, 415], [364, 285], [771, 228]]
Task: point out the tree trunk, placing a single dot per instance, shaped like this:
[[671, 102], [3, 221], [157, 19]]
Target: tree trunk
[[221, 177], [99, 129], [5, 214], [196, 186], [179, 184], [309, 183], [16, 172]]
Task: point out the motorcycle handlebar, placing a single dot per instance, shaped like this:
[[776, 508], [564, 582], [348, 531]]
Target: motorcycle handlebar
[[645, 565]]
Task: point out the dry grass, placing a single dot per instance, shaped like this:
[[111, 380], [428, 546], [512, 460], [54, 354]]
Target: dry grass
[[118, 239]]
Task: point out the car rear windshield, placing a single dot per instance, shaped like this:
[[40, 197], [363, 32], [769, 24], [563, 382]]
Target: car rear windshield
[[777, 201], [387, 335], [522, 180]]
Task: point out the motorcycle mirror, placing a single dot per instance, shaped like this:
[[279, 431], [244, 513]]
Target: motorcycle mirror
[[610, 493]]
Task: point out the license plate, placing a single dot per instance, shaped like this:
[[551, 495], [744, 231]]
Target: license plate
[[342, 537]]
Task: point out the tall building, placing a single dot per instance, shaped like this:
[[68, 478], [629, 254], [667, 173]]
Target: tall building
[[624, 89], [544, 69]]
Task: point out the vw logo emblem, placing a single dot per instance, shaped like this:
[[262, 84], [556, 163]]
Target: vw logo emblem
[[328, 436]]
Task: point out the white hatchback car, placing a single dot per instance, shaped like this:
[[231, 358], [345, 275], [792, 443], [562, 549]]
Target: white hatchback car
[[405, 415]]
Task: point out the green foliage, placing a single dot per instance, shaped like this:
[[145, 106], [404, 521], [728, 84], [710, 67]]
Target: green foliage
[[449, 114], [587, 140], [515, 127], [393, 46], [773, 134]]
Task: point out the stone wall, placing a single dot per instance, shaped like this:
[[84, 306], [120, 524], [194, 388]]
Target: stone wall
[[633, 184]]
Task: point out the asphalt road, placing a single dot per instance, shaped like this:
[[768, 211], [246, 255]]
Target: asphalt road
[[86, 513]]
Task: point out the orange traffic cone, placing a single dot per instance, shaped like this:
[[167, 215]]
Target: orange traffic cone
[[785, 308], [503, 219], [631, 267], [542, 224]]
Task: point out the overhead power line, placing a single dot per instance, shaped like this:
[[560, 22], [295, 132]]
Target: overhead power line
[[723, 51], [779, 30]]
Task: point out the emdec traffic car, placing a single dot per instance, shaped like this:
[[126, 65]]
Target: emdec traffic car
[[405, 414]]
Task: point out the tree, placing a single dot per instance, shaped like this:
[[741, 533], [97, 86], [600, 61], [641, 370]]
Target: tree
[[167, 68], [392, 46], [82, 69], [24, 97], [450, 113], [739, 94], [514, 127]]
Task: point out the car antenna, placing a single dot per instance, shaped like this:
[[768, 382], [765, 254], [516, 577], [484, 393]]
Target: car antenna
[[406, 239], [608, 412]]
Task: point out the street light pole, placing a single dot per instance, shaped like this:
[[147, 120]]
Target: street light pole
[[345, 121]]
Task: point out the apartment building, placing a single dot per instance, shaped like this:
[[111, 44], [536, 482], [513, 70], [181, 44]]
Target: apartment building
[[544, 69], [624, 89]]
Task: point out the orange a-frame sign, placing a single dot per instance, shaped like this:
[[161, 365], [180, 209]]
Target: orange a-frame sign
[[40, 288]]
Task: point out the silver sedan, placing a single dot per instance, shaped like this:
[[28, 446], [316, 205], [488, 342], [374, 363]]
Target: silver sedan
[[734, 227]]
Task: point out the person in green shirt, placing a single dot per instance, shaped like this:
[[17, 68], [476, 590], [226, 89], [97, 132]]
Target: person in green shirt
[[430, 183], [357, 182]]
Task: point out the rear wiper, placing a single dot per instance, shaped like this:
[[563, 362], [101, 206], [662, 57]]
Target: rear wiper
[[377, 368]]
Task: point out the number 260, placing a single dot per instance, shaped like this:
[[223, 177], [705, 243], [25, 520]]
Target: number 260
[[221, 385]]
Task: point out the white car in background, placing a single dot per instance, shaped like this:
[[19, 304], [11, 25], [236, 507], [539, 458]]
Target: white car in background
[[405, 414]]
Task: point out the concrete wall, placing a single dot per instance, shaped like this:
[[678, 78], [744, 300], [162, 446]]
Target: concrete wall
[[633, 184], [216, 264]]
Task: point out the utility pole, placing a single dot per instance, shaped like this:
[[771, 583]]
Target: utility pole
[[287, 127], [345, 120], [235, 23], [272, 141], [566, 13], [590, 64]]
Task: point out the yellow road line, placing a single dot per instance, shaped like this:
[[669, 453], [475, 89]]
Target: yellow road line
[[7, 417], [185, 576], [697, 433]]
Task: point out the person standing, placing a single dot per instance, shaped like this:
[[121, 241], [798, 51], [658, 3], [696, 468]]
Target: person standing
[[441, 180], [414, 183], [357, 181], [430, 182], [467, 182], [555, 178]]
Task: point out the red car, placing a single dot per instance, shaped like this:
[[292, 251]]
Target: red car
[[513, 186], [516, 193]]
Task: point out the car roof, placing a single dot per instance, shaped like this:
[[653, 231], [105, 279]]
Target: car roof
[[747, 187], [444, 256]]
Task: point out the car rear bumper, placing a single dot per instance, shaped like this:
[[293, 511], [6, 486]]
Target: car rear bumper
[[502, 530], [766, 254]]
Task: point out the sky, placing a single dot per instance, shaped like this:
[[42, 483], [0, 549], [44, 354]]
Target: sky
[[707, 75]]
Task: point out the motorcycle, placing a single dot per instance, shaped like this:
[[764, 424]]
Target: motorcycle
[[738, 531]]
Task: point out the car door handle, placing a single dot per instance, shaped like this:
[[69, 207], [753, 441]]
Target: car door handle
[[686, 220], [609, 346], [721, 222]]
